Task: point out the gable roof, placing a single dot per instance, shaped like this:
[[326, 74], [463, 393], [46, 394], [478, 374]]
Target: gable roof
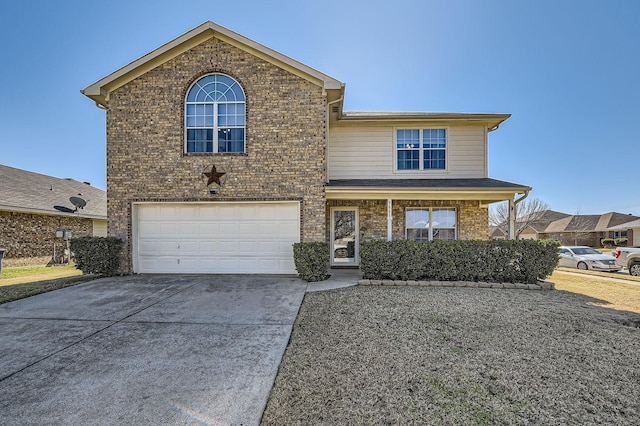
[[496, 231], [29, 192], [588, 223], [610, 219], [627, 225], [100, 90], [544, 220]]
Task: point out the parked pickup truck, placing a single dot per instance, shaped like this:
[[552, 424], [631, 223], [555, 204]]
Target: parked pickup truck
[[628, 257]]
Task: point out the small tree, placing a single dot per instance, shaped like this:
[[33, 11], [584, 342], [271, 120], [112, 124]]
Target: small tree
[[582, 228], [528, 212]]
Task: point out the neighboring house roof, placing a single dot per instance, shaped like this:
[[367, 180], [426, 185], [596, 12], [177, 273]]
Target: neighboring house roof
[[29, 192], [479, 189], [610, 219], [545, 219], [627, 225], [100, 90], [575, 223], [587, 223], [496, 231]]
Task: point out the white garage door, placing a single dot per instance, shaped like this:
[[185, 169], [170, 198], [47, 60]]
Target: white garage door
[[215, 237]]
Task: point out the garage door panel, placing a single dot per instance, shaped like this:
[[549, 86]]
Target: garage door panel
[[209, 229], [227, 228], [287, 229], [189, 228], [216, 238], [157, 248], [190, 213], [167, 264]]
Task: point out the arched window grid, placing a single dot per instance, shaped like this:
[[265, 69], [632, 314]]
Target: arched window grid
[[215, 116]]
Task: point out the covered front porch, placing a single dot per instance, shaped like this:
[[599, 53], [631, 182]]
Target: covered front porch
[[422, 209]]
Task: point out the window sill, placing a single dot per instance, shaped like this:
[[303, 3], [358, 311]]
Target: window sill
[[428, 171], [214, 154]]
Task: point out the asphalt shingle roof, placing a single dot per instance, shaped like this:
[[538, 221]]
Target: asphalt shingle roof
[[480, 183], [589, 223], [21, 190]]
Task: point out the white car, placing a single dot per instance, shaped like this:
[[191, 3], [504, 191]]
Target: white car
[[585, 258]]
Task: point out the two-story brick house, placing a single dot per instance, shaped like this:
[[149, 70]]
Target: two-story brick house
[[296, 166]]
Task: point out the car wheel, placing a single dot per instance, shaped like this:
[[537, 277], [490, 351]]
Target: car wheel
[[583, 266], [635, 270]]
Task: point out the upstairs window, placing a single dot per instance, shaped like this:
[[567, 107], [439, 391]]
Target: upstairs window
[[427, 224], [421, 149], [215, 116]]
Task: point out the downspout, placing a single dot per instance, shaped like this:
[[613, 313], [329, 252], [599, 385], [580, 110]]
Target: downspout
[[512, 214], [326, 138]]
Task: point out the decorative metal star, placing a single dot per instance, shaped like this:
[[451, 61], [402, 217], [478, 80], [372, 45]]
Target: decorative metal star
[[214, 176]]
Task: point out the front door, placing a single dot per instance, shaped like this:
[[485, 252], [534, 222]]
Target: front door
[[344, 236]]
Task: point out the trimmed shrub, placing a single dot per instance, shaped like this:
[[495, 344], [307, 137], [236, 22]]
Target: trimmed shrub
[[97, 255], [608, 242], [620, 242], [524, 261], [311, 260]]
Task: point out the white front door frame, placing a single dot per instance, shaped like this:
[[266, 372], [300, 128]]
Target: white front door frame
[[356, 237]]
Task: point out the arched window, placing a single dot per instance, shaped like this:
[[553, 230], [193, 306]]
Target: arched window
[[215, 116]]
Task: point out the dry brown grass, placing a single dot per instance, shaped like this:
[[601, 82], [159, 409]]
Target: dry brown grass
[[460, 356], [612, 294]]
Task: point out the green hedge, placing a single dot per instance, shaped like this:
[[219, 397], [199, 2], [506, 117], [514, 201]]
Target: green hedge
[[620, 241], [311, 260], [607, 242], [525, 261], [97, 255]]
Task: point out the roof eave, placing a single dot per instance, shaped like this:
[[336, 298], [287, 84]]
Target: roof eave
[[491, 120], [50, 213], [445, 193]]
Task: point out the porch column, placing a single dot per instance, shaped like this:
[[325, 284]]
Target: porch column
[[389, 219], [512, 220]]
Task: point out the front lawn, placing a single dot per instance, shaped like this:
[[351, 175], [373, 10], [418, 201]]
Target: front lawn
[[462, 356], [18, 283], [36, 273], [598, 285]]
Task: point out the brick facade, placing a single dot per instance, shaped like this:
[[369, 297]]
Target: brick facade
[[472, 219], [30, 238], [285, 140]]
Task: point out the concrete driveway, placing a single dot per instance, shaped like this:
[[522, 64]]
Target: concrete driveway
[[146, 350]]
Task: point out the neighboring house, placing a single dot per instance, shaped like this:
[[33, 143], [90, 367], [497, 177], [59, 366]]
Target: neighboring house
[[629, 230], [534, 229], [587, 230], [296, 166], [497, 233], [34, 206]]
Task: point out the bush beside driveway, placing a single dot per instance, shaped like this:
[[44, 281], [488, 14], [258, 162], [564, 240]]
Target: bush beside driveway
[[451, 356]]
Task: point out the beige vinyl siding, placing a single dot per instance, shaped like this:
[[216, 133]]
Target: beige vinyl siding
[[99, 228], [368, 152]]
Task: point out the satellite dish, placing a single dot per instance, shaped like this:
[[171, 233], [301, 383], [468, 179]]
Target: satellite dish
[[64, 209], [78, 202]]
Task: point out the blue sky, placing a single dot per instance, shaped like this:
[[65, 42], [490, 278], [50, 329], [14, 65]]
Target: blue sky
[[568, 71]]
